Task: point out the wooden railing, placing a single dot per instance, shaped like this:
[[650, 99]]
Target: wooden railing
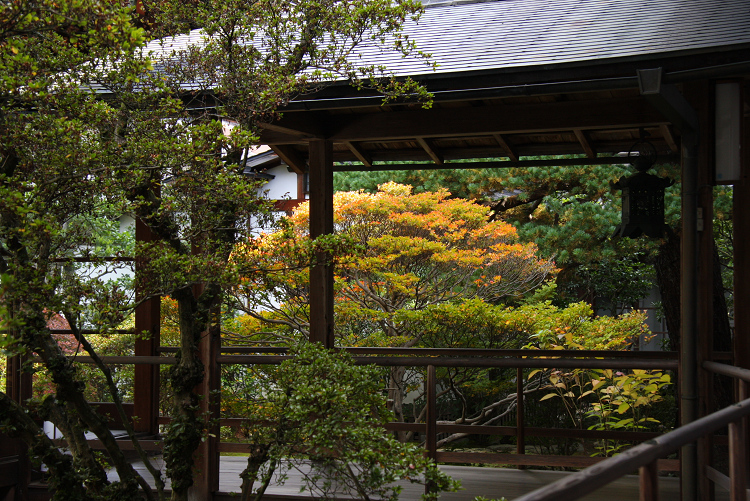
[[643, 457], [431, 358], [465, 358]]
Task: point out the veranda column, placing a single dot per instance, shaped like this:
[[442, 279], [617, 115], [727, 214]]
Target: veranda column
[[146, 390], [741, 214], [18, 388], [698, 95], [321, 223], [673, 105], [207, 458]]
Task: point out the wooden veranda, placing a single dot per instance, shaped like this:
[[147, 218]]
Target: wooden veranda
[[520, 79]]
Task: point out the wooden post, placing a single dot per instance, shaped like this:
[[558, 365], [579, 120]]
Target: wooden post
[[649, 482], [321, 223], [146, 377], [207, 455], [520, 429]]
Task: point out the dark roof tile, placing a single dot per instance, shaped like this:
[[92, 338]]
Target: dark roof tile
[[475, 35]]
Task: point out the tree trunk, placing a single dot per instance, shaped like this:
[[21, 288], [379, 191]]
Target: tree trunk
[[667, 265], [186, 428]]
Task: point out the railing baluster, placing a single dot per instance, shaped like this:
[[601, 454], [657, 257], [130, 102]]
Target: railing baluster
[[744, 389], [520, 435], [431, 397], [431, 418], [738, 485], [649, 482]]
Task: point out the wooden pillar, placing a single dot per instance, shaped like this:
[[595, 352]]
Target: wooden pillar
[[741, 214], [741, 237], [147, 319], [699, 96], [689, 312], [321, 223], [18, 388], [17, 382]]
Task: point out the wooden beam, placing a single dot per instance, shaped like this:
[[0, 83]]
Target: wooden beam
[[507, 119], [669, 138], [429, 148], [291, 157], [585, 143], [500, 164], [509, 150], [321, 223], [301, 125], [360, 153]]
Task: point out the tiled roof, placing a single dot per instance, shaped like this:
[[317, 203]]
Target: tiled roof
[[475, 35]]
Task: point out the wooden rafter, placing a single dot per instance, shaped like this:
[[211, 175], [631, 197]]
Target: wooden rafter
[[291, 157], [509, 150], [666, 132], [431, 151], [585, 143], [360, 153]]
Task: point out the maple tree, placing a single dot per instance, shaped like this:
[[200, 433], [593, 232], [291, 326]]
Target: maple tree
[[571, 214], [408, 254]]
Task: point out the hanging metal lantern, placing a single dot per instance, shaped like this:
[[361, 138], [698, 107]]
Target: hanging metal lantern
[[642, 195]]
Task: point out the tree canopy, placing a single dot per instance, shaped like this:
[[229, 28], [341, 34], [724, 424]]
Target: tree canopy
[[571, 213], [100, 115], [407, 252]]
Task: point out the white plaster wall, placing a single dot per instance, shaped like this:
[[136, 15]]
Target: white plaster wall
[[283, 185]]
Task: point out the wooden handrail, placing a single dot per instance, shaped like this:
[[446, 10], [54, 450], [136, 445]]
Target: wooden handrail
[[527, 360], [510, 362], [727, 370], [461, 352], [586, 481]]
